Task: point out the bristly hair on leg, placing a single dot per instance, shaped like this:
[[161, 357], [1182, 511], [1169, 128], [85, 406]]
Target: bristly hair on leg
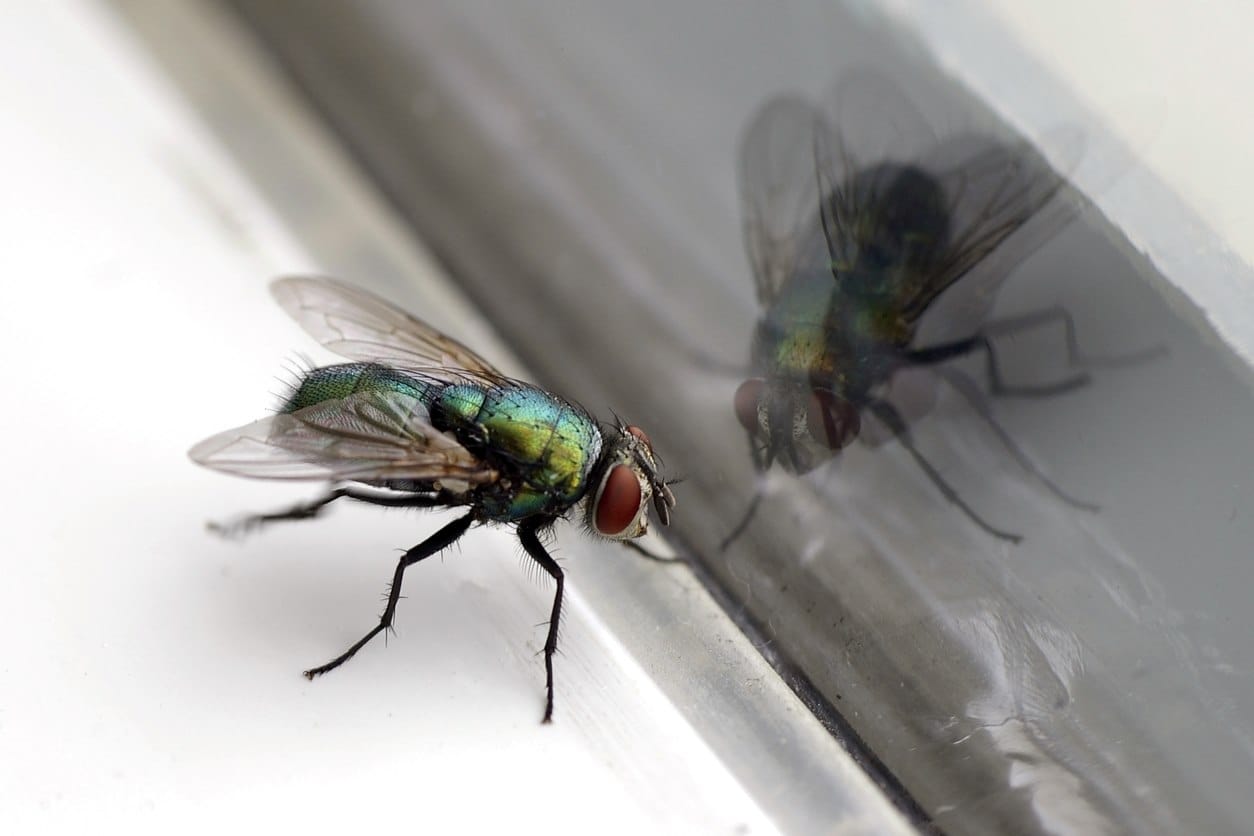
[[535, 574]]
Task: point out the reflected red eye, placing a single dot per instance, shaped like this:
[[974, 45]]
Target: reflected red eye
[[745, 402], [618, 502], [832, 422]]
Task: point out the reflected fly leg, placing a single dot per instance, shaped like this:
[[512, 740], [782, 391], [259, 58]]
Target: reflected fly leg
[[888, 413], [966, 387], [312, 508], [1076, 358], [436, 543], [760, 464], [741, 526], [528, 534], [941, 353]]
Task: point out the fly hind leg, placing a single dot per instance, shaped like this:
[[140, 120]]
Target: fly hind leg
[[647, 554], [308, 510], [761, 461]]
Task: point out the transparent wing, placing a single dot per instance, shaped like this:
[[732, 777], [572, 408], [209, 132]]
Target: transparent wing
[[994, 190], [872, 119], [992, 187], [779, 191], [867, 121], [355, 323], [365, 437]]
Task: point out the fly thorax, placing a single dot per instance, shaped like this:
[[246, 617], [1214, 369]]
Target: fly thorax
[[626, 480]]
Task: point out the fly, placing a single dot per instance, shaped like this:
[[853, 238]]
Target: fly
[[418, 420], [855, 223]]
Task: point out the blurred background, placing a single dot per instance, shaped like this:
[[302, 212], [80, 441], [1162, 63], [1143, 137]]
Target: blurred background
[[555, 184]]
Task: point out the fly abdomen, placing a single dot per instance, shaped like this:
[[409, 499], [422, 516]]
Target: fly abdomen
[[337, 382]]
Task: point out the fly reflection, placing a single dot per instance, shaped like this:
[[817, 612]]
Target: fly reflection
[[859, 220]]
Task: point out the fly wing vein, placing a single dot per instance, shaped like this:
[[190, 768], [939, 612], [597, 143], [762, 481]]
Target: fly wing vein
[[361, 326], [362, 437]]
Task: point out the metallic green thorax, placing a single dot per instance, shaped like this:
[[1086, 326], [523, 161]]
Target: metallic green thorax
[[842, 326], [821, 333], [544, 447]]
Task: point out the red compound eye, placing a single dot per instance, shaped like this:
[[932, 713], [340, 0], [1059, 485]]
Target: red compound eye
[[832, 422], [639, 433], [618, 502], [745, 402]]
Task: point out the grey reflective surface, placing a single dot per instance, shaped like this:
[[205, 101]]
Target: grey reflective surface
[[575, 166]]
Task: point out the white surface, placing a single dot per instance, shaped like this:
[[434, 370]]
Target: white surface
[[152, 672]]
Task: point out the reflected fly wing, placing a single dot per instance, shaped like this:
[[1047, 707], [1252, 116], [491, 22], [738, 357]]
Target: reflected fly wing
[[872, 120], [867, 121], [355, 323], [1004, 200], [368, 436], [779, 191], [1002, 196]]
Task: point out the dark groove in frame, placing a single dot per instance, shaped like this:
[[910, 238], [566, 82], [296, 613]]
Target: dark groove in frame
[[819, 705]]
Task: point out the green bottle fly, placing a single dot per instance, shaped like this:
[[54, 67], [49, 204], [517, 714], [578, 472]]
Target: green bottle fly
[[418, 420]]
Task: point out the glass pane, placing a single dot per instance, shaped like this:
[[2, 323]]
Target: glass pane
[[576, 167]]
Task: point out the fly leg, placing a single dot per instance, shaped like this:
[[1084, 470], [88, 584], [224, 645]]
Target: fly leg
[[1076, 358], [888, 413], [436, 543], [936, 354], [645, 553], [964, 386], [528, 535], [309, 510], [760, 464], [754, 502]]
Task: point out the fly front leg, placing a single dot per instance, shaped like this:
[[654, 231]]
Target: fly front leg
[[754, 502], [762, 459], [528, 534], [649, 555], [436, 543], [308, 510]]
